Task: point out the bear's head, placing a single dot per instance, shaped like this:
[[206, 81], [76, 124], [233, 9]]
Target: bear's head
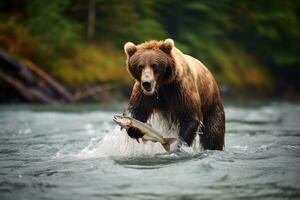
[[151, 64]]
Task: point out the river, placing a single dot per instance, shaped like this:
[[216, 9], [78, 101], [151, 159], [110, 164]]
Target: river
[[77, 152]]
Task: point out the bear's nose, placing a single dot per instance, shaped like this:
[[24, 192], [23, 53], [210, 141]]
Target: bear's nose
[[146, 85]]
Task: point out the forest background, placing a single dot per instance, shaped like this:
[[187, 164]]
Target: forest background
[[251, 47]]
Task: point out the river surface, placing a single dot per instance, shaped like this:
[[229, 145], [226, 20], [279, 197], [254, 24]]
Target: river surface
[[77, 152]]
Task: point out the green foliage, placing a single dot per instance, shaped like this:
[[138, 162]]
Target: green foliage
[[270, 30], [122, 21], [247, 44], [237, 37], [149, 29], [92, 64], [48, 22]]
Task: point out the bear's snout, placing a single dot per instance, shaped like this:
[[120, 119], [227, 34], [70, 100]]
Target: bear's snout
[[148, 82], [146, 85]]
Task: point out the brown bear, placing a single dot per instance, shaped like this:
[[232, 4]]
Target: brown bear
[[177, 86]]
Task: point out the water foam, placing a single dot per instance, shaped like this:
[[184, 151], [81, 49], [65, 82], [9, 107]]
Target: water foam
[[118, 144]]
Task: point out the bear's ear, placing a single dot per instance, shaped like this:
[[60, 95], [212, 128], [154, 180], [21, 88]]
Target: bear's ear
[[167, 45], [129, 48]]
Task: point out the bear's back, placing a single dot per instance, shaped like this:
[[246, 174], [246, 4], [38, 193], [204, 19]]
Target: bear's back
[[206, 84]]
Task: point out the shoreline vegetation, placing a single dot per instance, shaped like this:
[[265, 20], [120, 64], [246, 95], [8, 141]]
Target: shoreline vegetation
[[57, 52], [29, 83]]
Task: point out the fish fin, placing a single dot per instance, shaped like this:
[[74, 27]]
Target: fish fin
[[144, 141], [168, 143]]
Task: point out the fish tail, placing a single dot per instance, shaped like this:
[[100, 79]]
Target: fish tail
[[168, 142]]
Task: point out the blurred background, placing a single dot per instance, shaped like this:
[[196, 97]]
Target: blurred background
[[72, 51]]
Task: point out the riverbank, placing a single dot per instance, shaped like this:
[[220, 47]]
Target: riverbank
[[22, 81]]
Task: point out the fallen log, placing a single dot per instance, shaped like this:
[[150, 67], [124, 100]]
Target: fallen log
[[50, 80], [19, 69], [30, 94], [30, 75]]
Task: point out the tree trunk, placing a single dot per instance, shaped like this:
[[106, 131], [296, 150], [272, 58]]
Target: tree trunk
[[91, 19]]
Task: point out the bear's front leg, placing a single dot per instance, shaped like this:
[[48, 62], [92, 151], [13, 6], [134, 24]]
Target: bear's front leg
[[137, 112], [140, 107], [188, 129]]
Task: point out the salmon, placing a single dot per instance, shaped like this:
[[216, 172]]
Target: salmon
[[148, 131]]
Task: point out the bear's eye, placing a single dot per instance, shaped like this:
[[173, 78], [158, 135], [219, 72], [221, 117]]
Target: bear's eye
[[154, 67], [140, 67]]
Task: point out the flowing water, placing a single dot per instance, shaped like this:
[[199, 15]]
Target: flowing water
[[77, 152]]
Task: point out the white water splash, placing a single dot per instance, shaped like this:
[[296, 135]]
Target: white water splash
[[240, 147], [117, 143]]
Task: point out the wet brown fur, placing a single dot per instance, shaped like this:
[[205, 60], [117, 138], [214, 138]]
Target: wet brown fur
[[187, 93]]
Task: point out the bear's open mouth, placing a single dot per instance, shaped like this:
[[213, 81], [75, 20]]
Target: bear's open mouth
[[151, 90]]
